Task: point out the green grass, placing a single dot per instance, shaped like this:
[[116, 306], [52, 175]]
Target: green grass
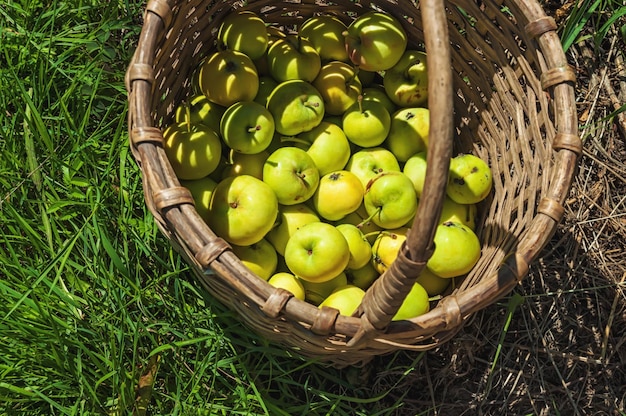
[[92, 294], [600, 15]]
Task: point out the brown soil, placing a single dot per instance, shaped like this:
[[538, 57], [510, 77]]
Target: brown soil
[[563, 349]]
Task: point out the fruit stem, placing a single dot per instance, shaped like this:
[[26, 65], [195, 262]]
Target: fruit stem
[[368, 219], [360, 101], [371, 233], [255, 128]]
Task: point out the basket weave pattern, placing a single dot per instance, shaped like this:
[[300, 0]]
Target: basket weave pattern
[[514, 106]]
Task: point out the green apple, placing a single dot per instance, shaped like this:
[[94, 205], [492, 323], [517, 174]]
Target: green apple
[[360, 219], [288, 282], [377, 92], [406, 83], [328, 145], [266, 86], [317, 252], [194, 150], [275, 33], [368, 163], [201, 190], [218, 174], [243, 209], [455, 212], [290, 218], [433, 284], [338, 194], [375, 41], [363, 277], [367, 78], [247, 127], [360, 248], [293, 57], [199, 110], [457, 249], [366, 123], [469, 179], [316, 292], [246, 164], [228, 76], [390, 200], [325, 32], [346, 299], [244, 31], [292, 174], [408, 134], [415, 304], [260, 257], [415, 169], [339, 86], [297, 106], [386, 247]]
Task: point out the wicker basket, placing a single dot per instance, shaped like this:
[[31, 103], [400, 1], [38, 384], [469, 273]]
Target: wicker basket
[[503, 69]]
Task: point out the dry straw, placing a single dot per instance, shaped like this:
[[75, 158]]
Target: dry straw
[[500, 87]]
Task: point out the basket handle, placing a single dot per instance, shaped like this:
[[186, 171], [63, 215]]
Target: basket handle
[[383, 299]]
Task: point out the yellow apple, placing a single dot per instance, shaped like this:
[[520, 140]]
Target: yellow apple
[[317, 252], [289, 282], [386, 246], [457, 249], [359, 218], [408, 134], [363, 277], [433, 284], [259, 257], [339, 85], [375, 41], [469, 179], [346, 299], [328, 145], [415, 169], [244, 31], [360, 248], [338, 194], [201, 190], [366, 123], [247, 127], [325, 32], [246, 164], [243, 209], [390, 200], [316, 292], [198, 109], [290, 218], [297, 106], [228, 76], [376, 92], [455, 212], [293, 58], [415, 304], [194, 150], [406, 83]]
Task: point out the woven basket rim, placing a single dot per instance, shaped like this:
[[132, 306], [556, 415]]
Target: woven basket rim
[[172, 204]]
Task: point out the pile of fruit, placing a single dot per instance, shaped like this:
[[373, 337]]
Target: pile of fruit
[[305, 149]]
